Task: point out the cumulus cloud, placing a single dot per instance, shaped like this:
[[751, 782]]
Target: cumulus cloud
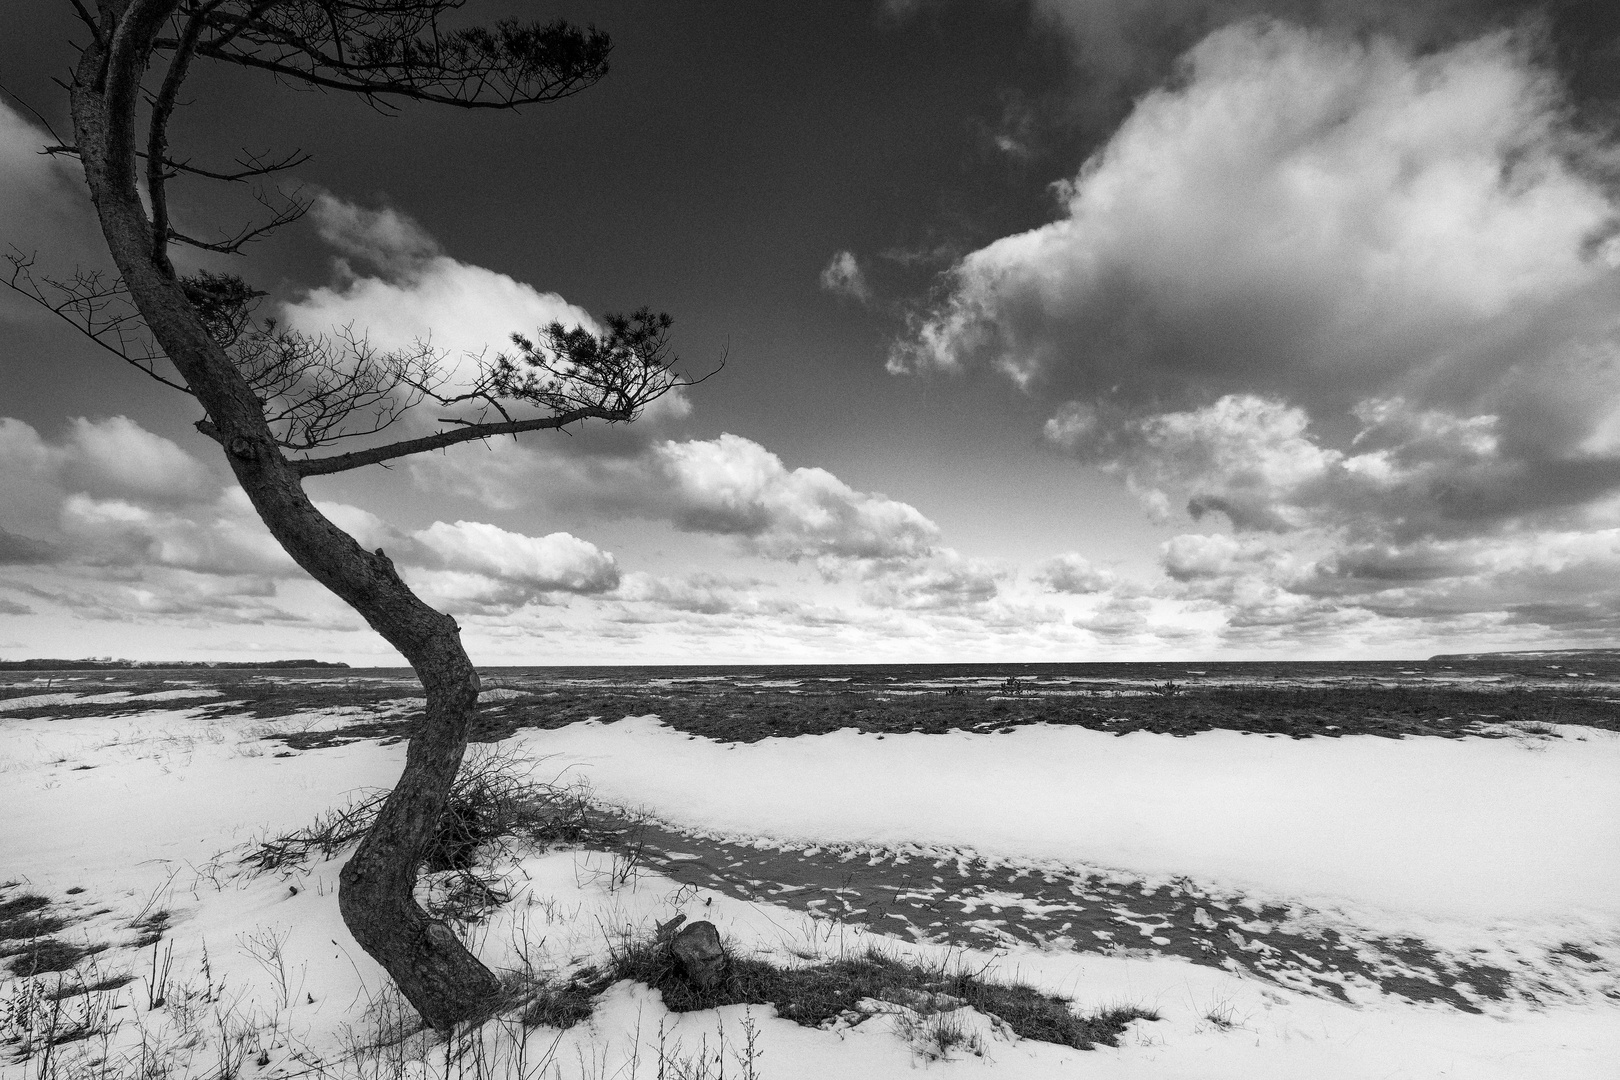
[[1245, 456], [1306, 215], [407, 291], [113, 458], [735, 488], [110, 494], [115, 522], [396, 288], [1072, 572], [946, 582], [555, 563], [1351, 297], [386, 238], [1125, 45], [118, 457], [843, 276], [110, 501], [1407, 473], [1193, 556]]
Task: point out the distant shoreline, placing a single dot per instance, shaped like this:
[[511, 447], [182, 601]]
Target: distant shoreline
[[128, 665], [1174, 668]]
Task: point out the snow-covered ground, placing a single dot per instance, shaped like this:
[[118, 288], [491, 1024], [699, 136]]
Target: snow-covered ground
[[1503, 849]]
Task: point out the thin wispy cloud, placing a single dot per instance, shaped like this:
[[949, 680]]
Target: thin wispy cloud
[[843, 276]]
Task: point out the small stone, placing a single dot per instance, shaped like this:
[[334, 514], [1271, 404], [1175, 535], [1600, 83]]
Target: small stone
[[697, 949]]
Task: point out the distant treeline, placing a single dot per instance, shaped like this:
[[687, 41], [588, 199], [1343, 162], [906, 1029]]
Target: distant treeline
[[1532, 654], [105, 665]]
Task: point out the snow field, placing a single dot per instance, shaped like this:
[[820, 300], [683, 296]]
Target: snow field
[[1458, 828], [166, 792]]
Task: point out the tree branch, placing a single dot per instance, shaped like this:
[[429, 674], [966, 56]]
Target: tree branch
[[157, 141], [46, 124], [397, 48], [86, 18], [291, 209], [252, 165], [439, 440], [102, 311], [128, 53]]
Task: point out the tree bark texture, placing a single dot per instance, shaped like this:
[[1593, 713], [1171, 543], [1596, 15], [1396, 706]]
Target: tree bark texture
[[444, 981]]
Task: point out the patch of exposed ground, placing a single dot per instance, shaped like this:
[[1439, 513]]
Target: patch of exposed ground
[[30, 925], [959, 899]]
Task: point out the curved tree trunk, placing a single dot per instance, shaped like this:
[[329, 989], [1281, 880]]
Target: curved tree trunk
[[435, 972]]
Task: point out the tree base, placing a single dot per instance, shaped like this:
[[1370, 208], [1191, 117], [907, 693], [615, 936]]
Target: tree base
[[444, 982]]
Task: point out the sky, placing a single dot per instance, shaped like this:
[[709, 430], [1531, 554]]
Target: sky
[[1052, 330]]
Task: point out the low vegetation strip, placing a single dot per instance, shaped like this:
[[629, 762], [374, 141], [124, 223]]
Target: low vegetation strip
[[734, 711], [736, 715], [818, 995]]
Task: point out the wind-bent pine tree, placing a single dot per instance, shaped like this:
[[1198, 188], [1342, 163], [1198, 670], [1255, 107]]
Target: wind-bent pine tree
[[272, 398]]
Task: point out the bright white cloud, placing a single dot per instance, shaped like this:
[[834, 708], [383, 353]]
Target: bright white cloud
[[1242, 455], [555, 563], [730, 487], [386, 238], [415, 293], [733, 486], [1354, 297], [407, 292], [1307, 214]]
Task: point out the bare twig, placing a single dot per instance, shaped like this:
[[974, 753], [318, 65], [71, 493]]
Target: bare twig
[[97, 306]]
